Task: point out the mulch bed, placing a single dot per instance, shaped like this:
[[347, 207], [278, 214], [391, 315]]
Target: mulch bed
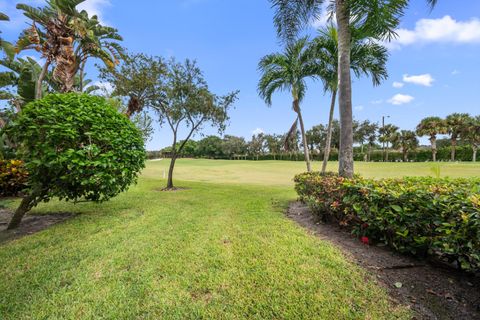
[[30, 224], [431, 291]]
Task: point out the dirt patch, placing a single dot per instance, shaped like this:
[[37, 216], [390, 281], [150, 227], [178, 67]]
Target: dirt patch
[[432, 292], [30, 224], [174, 189]]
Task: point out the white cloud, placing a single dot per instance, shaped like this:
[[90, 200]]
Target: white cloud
[[442, 30], [400, 99], [359, 108], [377, 101], [455, 72], [421, 79], [398, 85], [258, 131], [95, 7], [105, 88]]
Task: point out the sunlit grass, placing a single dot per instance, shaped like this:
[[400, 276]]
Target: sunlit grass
[[220, 249]]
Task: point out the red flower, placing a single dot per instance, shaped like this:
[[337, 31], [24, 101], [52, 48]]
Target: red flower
[[365, 225], [365, 240]]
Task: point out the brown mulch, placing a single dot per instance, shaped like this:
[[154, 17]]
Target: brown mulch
[[431, 291], [30, 224]]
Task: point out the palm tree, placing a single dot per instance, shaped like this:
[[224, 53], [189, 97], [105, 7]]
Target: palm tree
[[4, 45], [455, 123], [471, 133], [405, 140], [375, 19], [367, 57], [66, 38], [387, 135], [288, 71], [431, 127]]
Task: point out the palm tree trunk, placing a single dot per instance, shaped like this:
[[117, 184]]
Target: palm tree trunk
[[328, 142], [454, 147], [433, 141], [39, 84], [304, 136], [345, 168], [81, 76], [474, 158]]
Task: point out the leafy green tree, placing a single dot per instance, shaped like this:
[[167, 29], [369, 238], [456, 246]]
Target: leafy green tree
[[289, 71], [371, 139], [210, 147], [184, 100], [405, 140], [274, 143], [137, 81], [75, 147], [256, 146], [363, 130], [387, 134], [367, 58], [471, 134], [233, 146], [372, 19], [316, 137], [432, 127], [455, 123]]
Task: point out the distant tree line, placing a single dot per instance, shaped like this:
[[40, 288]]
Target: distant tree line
[[457, 137]]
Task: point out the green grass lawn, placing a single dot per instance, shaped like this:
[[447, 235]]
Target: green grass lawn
[[220, 249]]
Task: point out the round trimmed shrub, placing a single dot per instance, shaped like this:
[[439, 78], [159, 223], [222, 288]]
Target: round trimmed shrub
[[76, 147]]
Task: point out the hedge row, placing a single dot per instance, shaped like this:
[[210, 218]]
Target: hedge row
[[13, 177], [463, 153], [424, 217]]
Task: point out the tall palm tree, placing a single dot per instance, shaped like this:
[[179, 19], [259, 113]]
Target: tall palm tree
[[375, 19], [431, 127], [455, 123], [66, 38], [405, 140], [387, 135], [471, 133], [289, 71], [4, 45], [367, 57]]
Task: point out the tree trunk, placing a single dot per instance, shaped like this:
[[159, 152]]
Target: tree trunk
[[433, 141], [39, 84], [81, 76], [25, 206], [454, 147], [404, 155], [474, 158], [369, 153], [386, 154], [170, 172], [304, 136], [345, 168], [328, 142]]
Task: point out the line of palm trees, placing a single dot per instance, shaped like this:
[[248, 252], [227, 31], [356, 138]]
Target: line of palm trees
[[357, 22]]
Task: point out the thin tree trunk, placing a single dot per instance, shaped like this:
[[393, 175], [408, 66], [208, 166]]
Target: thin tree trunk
[[304, 136], [474, 159], [39, 84], [345, 168], [25, 206], [369, 153], [328, 142], [170, 171]]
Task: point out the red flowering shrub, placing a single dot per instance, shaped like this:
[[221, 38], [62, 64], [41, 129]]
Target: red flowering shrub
[[13, 177]]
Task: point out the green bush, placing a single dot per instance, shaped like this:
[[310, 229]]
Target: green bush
[[13, 177], [420, 216], [76, 147]]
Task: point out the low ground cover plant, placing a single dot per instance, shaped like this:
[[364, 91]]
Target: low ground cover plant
[[423, 216]]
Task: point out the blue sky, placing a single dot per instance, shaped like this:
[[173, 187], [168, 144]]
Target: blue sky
[[433, 66]]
